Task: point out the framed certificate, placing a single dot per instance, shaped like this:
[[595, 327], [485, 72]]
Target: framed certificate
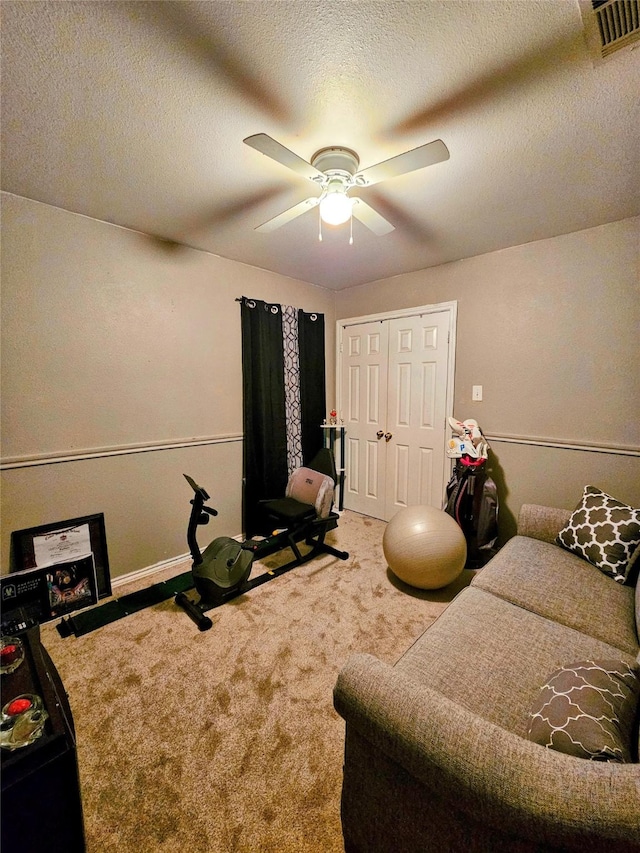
[[50, 545]]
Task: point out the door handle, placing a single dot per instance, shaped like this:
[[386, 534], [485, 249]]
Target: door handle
[[387, 436], [379, 434]]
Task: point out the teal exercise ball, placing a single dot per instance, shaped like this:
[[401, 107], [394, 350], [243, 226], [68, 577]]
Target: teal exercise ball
[[424, 547]]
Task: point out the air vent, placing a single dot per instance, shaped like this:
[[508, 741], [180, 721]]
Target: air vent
[[611, 25]]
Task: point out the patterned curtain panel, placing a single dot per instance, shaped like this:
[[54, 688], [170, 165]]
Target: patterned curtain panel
[[292, 401], [283, 370], [313, 391]]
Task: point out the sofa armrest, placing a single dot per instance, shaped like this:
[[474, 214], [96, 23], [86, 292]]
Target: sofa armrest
[[542, 522], [493, 775]]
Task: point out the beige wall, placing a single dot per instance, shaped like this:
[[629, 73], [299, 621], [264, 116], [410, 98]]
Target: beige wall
[[550, 330], [111, 342]]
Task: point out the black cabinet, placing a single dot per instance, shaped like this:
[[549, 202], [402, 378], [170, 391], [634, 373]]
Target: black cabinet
[[41, 804]]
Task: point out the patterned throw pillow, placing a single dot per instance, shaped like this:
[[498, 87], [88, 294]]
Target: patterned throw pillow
[[603, 531], [588, 710]]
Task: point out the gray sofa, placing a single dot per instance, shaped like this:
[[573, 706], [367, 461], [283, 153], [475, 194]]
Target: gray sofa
[[436, 752]]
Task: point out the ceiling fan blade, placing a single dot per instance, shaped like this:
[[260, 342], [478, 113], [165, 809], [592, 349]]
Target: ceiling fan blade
[[288, 215], [417, 158], [268, 146], [371, 218]]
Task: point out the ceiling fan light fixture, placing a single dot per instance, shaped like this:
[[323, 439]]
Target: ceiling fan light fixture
[[335, 171], [335, 208]]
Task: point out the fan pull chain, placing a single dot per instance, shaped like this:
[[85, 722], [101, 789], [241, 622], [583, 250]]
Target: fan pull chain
[[319, 226], [351, 228]]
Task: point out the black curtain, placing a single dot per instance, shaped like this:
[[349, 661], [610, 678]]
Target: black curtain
[[265, 438], [283, 404]]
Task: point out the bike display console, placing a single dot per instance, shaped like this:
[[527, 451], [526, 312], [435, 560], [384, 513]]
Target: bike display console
[[41, 803]]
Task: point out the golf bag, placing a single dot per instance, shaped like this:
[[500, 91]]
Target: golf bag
[[471, 495]]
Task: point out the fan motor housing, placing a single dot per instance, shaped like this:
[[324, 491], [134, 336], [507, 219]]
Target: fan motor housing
[[336, 159]]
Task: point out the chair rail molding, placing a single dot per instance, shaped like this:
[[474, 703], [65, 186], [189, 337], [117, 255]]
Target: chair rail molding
[[565, 444], [56, 458]]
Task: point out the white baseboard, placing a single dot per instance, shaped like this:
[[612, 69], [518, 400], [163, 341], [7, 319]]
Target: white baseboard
[[148, 571], [138, 574]]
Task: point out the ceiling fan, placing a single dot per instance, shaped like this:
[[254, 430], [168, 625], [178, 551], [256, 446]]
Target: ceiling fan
[[335, 171]]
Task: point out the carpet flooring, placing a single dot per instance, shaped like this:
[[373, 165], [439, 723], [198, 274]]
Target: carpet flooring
[[226, 741]]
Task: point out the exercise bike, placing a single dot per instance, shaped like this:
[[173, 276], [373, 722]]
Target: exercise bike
[[222, 571]]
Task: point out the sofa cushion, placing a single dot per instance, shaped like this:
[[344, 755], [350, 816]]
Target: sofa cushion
[[492, 657], [550, 581], [588, 709], [604, 531]]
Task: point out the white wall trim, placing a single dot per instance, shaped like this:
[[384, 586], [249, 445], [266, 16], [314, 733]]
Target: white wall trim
[[564, 444], [399, 312], [147, 571], [56, 458]]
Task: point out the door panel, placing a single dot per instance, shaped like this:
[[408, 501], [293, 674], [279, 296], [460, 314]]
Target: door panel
[[418, 374], [403, 397], [352, 467], [353, 404], [400, 469], [372, 483], [428, 396], [364, 371], [372, 396], [394, 379], [425, 476]]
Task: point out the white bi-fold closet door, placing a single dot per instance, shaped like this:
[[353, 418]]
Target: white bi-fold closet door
[[396, 392]]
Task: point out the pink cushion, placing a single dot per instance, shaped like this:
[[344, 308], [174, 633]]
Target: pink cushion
[[311, 487]]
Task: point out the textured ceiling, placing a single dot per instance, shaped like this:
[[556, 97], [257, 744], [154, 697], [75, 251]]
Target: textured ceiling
[[134, 113]]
